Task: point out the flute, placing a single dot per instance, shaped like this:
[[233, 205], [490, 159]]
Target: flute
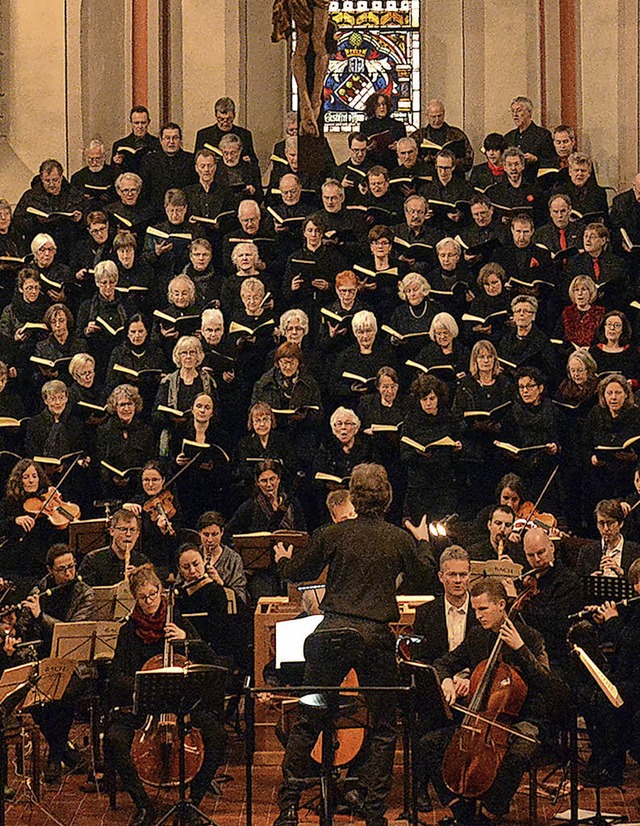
[[585, 612]]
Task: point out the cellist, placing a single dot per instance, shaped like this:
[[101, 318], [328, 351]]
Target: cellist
[[142, 637], [524, 649]]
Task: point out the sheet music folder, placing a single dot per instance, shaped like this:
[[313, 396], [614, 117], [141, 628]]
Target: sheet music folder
[[53, 675]]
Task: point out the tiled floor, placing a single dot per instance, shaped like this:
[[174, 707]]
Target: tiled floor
[[73, 807]]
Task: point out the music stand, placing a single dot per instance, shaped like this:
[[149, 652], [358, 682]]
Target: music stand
[[599, 589], [13, 692], [178, 691], [256, 549], [113, 602], [86, 535], [85, 641]]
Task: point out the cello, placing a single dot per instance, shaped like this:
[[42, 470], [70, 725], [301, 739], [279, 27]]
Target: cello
[[155, 750], [477, 748]]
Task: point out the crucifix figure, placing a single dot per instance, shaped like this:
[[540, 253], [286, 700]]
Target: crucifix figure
[[311, 18]]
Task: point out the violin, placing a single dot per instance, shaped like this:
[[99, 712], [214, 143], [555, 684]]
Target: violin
[[162, 505], [50, 504], [155, 750], [475, 753]]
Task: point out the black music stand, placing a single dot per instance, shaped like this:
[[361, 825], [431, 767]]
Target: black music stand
[[178, 691], [9, 703], [599, 589]]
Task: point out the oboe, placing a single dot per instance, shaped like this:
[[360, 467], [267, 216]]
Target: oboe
[[586, 612]]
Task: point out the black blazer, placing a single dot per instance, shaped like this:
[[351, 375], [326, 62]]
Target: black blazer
[[431, 623], [591, 552]]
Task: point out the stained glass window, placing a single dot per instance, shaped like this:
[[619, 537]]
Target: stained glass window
[[378, 50]]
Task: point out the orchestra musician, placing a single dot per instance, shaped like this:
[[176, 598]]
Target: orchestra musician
[[497, 545], [443, 624], [613, 731], [142, 637], [110, 565], [60, 597], [556, 597], [356, 601], [524, 649], [613, 554]]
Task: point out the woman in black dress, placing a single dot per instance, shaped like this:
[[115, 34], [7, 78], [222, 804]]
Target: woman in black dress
[[23, 557], [137, 361], [59, 346], [378, 121], [431, 481], [613, 351], [484, 390], [123, 444], [614, 420], [158, 528]]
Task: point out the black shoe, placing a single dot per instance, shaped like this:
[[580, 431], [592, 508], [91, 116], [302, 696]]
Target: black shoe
[[53, 772], [287, 817], [144, 816], [355, 802]]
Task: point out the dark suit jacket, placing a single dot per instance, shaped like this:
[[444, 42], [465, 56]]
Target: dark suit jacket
[[591, 552], [431, 623]]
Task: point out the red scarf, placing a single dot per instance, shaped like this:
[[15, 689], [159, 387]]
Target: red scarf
[[150, 627], [496, 170]]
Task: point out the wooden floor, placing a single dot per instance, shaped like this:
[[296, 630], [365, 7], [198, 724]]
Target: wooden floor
[[71, 806]]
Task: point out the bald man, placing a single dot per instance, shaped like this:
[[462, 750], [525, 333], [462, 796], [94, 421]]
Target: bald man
[[559, 595], [438, 133]]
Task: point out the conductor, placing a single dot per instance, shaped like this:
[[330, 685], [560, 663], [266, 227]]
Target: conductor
[[366, 556]]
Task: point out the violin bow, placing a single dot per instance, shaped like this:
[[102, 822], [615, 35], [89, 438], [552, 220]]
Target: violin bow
[[183, 468], [542, 493], [493, 723]]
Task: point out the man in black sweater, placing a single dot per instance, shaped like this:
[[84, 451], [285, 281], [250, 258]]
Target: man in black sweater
[[356, 601], [108, 566]]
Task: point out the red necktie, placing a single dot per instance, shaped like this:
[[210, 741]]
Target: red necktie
[[563, 239], [596, 268]]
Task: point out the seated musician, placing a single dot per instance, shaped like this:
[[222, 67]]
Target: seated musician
[[222, 563], [613, 554], [523, 649], [498, 545], [142, 637], [202, 600], [558, 594], [614, 730], [443, 624], [110, 565], [70, 600]]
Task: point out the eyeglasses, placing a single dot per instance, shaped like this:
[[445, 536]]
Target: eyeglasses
[[443, 168], [529, 386], [62, 569], [129, 190], [148, 598]]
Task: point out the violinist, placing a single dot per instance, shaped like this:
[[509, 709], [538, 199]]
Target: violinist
[[22, 558], [556, 596], [142, 637], [523, 648], [613, 554], [158, 510], [69, 600], [110, 565]]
